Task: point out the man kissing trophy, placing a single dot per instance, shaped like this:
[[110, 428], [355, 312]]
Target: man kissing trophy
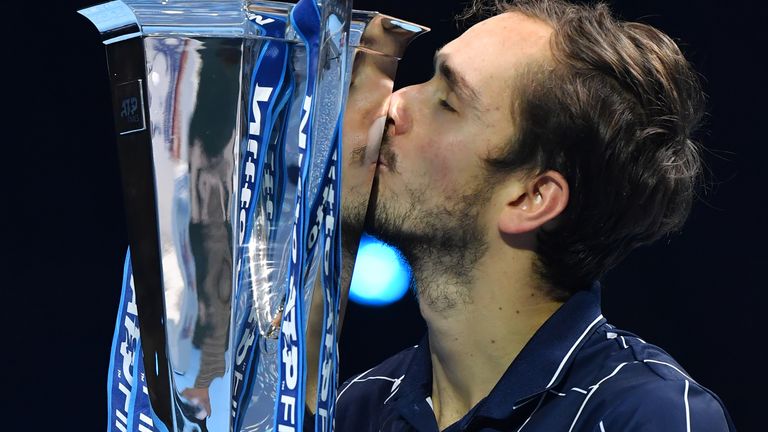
[[243, 127]]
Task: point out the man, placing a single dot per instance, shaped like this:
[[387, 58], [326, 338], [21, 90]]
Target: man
[[551, 141]]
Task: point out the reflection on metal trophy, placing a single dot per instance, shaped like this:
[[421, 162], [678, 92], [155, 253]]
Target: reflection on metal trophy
[[248, 134]]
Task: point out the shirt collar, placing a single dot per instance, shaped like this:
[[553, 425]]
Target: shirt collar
[[540, 365], [411, 399], [546, 357]]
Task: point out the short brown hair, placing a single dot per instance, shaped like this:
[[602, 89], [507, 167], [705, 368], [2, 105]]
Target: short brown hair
[[614, 114]]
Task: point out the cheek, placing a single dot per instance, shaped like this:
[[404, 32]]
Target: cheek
[[446, 162]]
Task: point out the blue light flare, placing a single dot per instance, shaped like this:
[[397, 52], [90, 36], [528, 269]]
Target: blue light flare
[[381, 276]]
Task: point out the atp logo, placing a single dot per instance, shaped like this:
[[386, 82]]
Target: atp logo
[[129, 107]]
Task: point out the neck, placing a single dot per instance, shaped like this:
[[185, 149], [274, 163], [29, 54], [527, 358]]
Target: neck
[[477, 327]]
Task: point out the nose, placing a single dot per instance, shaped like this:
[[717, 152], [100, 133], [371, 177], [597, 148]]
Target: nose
[[399, 112]]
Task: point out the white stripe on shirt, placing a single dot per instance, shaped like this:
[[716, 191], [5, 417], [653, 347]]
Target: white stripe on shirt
[[573, 347], [357, 379], [670, 365], [594, 388], [687, 408], [534, 412]]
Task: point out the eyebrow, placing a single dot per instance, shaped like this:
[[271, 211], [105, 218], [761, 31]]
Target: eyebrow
[[456, 81]]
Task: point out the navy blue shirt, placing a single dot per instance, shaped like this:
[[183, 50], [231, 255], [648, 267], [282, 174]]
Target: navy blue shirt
[[577, 373]]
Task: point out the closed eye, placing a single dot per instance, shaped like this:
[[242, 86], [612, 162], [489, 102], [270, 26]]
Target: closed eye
[[445, 105]]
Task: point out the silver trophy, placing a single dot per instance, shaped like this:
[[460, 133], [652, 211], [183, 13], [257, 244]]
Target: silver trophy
[[248, 135]]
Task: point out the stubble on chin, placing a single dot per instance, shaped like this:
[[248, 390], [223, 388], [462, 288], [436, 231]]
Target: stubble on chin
[[441, 243], [354, 207]]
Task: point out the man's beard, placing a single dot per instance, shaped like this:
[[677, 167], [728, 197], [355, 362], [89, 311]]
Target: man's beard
[[354, 204], [442, 244]]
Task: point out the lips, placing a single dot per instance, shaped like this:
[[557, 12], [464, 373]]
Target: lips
[[387, 158], [380, 163]]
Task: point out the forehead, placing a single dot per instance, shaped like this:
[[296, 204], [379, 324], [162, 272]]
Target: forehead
[[490, 53]]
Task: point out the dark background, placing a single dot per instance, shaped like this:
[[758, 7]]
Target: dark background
[[700, 294]]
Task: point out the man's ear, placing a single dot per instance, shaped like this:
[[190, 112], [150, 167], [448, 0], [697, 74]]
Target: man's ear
[[540, 200]]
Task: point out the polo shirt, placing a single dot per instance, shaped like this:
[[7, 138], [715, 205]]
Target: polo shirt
[[577, 373]]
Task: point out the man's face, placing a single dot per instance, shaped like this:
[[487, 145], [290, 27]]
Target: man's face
[[431, 185], [366, 112], [373, 75]]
